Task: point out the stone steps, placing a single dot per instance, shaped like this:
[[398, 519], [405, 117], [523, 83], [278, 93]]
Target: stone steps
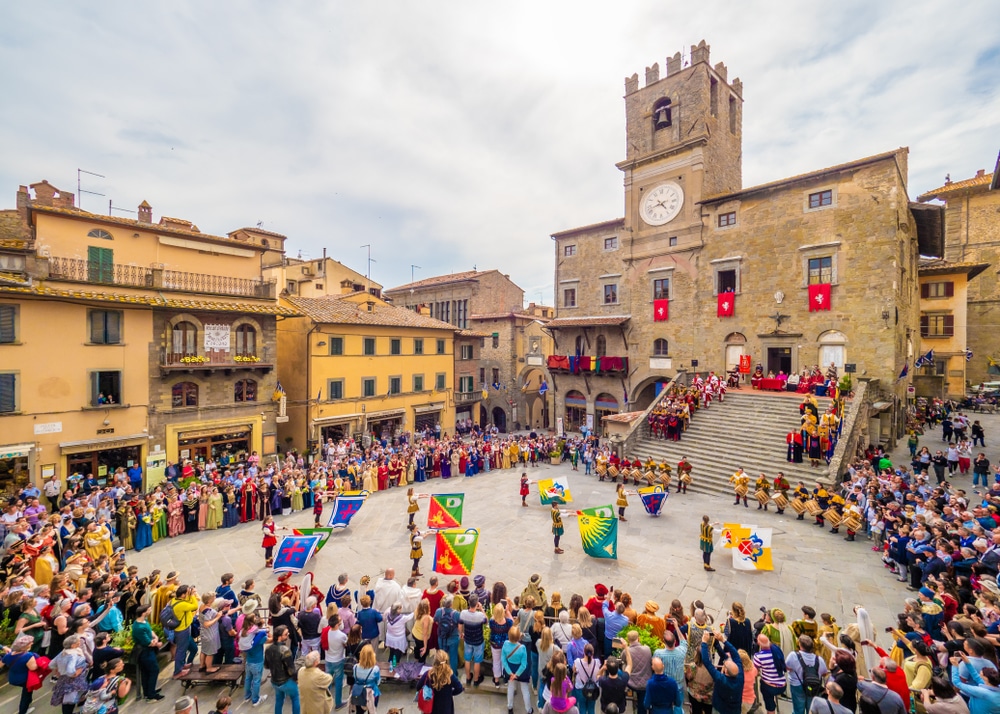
[[747, 430]]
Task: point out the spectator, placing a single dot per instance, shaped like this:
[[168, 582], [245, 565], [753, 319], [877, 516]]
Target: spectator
[[613, 681], [641, 659], [280, 663], [444, 684], [770, 663], [727, 694], [673, 655], [830, 705], [877, 693], [662, 696], [803, 666], [982, 689], [314, 686], [471, 622]]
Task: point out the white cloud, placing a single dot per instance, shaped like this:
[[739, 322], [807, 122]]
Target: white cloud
[[452, 134]]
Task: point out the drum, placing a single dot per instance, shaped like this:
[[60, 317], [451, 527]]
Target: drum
[[833, 517], [853, 522], [813, 508], [742, 490], [649, 476], [762, 497], [780, 501], [613, 471], [798, 505], [686, 477], [601, 469]]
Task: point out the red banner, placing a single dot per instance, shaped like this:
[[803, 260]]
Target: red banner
[[745, 364], [819, 297], [727, 305], [661, 310]]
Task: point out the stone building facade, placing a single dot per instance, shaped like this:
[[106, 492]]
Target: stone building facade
[[701, 270], [972, 235]]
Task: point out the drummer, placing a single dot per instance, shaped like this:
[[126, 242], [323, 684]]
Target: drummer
[[781, 486], [802, 494], [763, 483], [741, 483], [822, 497]]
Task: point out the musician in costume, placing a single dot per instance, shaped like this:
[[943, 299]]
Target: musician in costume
[[852, 513], [781, 487], [684, 469], [801, 493], [823, 499], [706, 542], [762, 484], [285, 589], [838, 503], [740, 481], [416, 549]]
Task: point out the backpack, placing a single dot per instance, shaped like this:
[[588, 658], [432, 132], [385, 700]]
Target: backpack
[[868, 705], [591, 692], [812, 683], [446, 625], [168, 618]]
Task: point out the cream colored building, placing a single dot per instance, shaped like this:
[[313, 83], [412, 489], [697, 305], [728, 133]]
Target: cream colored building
[[316, 277]]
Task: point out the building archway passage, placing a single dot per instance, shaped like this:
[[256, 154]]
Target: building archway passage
[[536, 403], [576, 410], [735, 347], [605, 405], [832, 348], [500, 419]]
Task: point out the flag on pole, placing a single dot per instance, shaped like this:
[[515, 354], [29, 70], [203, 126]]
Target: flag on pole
[[968, 354], [653, 498], [599, 534], [925, 359], [554, 490], [754, 551], [323, 533], [445, 510], [734, 532], [455, 551], [294, 552], [543, 388], [279, 392], [344, 509], [903, 372]]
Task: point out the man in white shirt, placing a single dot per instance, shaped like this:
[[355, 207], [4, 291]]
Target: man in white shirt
[[410, 596], [387, 593]]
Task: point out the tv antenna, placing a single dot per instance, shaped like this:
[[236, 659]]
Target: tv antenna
[[368, 275], [116, 208], [80, 191]]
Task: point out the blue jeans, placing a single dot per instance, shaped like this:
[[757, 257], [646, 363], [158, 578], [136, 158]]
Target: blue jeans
[[452, 646], [800, 702], [184, 646], [586, 470], [254, 675], [976, 477], [582, 703], [336, 670], [533, 668], [289, 689]]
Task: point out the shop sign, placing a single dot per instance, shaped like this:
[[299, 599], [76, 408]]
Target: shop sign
[[109, 430], [52, 427], [217, 337]]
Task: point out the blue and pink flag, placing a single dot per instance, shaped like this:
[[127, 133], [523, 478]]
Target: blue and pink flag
[[344, 509], [294, 552], [653, 499]]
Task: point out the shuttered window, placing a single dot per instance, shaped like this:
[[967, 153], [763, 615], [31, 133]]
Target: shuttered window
[[105, 327], [100, 265], [940, 289], [8, 324], [8, 393], [937, 325]]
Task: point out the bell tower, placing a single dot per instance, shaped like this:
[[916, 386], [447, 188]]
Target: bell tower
[[683, 142]]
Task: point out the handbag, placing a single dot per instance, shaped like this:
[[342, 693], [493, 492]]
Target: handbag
[[359, 692], [425, 699]]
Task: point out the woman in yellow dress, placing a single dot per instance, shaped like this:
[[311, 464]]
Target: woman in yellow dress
[[297, 501], [370, 479], [46, 566], [504, 458], [513, 452], [203, 509], [154, 512], [97, 542], [215, 511]]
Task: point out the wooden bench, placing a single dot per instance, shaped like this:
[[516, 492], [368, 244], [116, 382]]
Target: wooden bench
[[228, 674]]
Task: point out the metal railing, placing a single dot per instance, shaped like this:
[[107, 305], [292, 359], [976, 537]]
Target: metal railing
[[468, 397], [86, 271], [220, 284], [215, 358]]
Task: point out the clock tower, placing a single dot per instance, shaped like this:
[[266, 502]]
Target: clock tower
[[683, 143]]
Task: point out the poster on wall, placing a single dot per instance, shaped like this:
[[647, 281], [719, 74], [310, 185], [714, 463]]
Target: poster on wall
[[559, 425], [156, 467], [590, 422], [217, 337]]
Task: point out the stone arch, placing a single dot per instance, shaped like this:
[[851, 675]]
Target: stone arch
[[536, 409], [832, 348], [735, 346], [235, 345], [643, 393]]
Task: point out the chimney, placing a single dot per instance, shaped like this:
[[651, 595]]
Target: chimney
[[980, 173], [44, 193], [145, 213]]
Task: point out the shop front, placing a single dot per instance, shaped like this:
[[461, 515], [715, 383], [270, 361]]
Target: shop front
[[15, 467], [385, 425], [335, 427], [221, 443], [102, 457], [426, 416]]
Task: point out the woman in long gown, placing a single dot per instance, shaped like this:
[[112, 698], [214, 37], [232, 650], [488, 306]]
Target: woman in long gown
[[277, 498], [175, 517], [162, 528], [126, 526], [287, 488], [248, 502], [214, 519], [263, 501], [230, 511], [296, 499], [445, 465], [144, 529], [203, 509], [191, 512], [456, 459], [154, 515], [505, 456]]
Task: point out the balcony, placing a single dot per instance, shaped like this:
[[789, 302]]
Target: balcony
[[215, 360], [137, 276], [463, 398], [586, 364]]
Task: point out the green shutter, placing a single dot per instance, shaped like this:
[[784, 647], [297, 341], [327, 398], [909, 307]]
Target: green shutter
[[100, 265]]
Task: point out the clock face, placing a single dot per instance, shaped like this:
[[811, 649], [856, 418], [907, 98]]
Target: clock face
[[662, 203]]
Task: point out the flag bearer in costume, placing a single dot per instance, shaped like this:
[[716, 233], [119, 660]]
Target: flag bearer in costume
[[557, 525], [739, 479], [413, 508], [781, 486], [684, 469], [707, 542], [823, 499], [416, 549], [622, 501], [802, 493], [763, 484], [525, 489]]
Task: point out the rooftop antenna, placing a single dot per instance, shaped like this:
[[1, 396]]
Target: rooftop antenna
[[115, 208], [368, 275], [80, 191], [260, 224], [412, 268]]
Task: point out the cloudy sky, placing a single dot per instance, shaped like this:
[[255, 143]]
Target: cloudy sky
[[451, 135]]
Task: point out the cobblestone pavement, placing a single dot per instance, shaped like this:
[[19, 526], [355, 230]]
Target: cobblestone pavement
[[658, 559]]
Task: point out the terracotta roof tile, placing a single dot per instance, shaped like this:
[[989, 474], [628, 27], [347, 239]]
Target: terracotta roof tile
[[624, 417], [504, 316], [334, 310], [592, 321], [440, 280], [151, 301], [939, 266], [974, 182], [474, 333]]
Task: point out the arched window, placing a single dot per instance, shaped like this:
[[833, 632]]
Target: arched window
[[662, 115], [735, 348], [185, 394], [576, 408], [579, 345], [102, 235], [184, 340], [660, 347], [245, 390], [246, 341], [602, 346], [832, 349]]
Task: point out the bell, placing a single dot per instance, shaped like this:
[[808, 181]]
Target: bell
[[662, 117]]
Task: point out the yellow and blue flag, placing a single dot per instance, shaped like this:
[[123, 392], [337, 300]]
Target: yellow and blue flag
[[599, 532], [753, 552], [554, 490]]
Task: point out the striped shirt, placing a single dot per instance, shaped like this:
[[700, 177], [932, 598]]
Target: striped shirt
[[764, 662]]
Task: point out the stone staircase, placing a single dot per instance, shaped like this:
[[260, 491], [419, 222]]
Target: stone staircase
[[748, 429]]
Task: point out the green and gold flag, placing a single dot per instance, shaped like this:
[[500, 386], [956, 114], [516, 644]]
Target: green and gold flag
[[445, 510], [599, 532], [455, 552], [324, 534]]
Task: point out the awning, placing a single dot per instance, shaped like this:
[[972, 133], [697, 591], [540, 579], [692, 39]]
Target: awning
[[111, 442], [428, 408], [879, 407], [590, 321], [386, 414], [215, 431], [338, 419], [13, 452]]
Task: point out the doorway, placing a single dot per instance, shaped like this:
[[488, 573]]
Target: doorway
[[779, 359], [500, 419]]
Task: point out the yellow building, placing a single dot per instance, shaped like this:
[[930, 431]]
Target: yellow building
[[944, 289], [354, 365], [316, 278], [124, 341]]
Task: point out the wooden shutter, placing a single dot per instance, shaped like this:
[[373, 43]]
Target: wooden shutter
[[925, 290], [7, 316], [924, 325], [113, 325], [8, 402], [949, 289], [100, 265], [949, 325]]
